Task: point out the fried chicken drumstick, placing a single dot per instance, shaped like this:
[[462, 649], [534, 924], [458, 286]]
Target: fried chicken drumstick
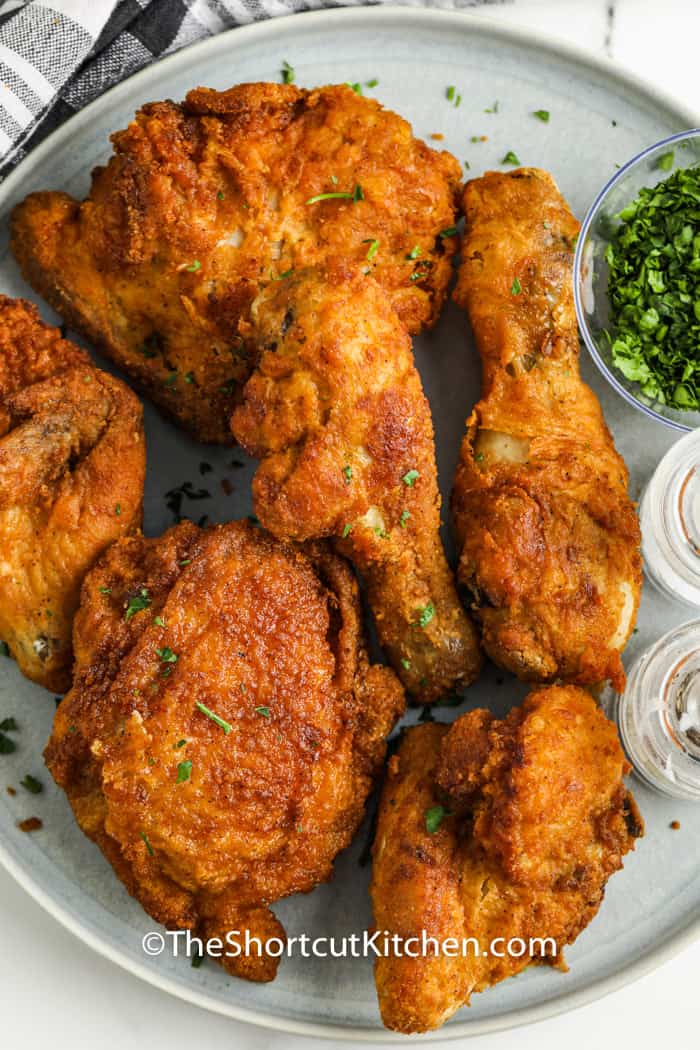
[[72, 466], [205, 202], [222, 735], [492, 829], [337, 414], [549, 538]]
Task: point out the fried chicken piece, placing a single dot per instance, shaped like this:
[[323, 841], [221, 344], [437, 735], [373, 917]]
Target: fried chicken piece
[[535, 819], [219, 742], [337, 414], [206, 201], [548, 535], [72, 466]]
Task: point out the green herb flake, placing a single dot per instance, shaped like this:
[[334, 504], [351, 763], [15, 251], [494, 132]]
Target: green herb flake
[[406, 664], [654, 290], [450, 93], [347, 529], [516, 287], [264, 711], [451, 231], [493, 108], [665, 161], [371, 83], [31, 784], [425, 615], [105, 590], [194, 266], [215, 718], [511, 158], [118, 510], [287, 73], [542, 114], [410, 478], [8, 725], [184, 772], [434, 818], [7, 746], [414, 252], [181, 743], [356, 195], [158, 621], [373, 248], [149, 847], [403, 520], [220, 195], [136, 604], [347, 474]]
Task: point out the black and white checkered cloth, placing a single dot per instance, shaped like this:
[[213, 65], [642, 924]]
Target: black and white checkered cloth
[[58, 55]]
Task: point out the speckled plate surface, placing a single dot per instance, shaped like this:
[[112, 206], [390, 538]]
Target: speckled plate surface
[[598, 119]]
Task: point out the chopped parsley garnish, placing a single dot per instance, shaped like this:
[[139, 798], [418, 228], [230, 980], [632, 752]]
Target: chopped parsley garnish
[[347, 474], [31, 784], [194, 266], [220, 195], [215, 718], [140, 601], [451, 231], [414, 252], [356, 195], [264, 711], [434, 818], [357, 88], [493, 108], [184, 772], [665, 161], [7, 746], [516, 287], [373, 248], [149, 847], [8, 725], [105, 590], [189, 377], [425, 615], [511, 158], [181, 743], [167, 657], [347, 529], [542, 114], [450, 93], [418, 275], [654, 290], [406, 664], [287, 73], [118, 510], [371, 83], [403, 520], [284, 276], [410, 478]]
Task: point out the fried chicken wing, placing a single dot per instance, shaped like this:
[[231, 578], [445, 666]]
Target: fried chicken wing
[[548, 535], [337, 414], [222, 734], [72, 465], [206, 201], [495, 829]]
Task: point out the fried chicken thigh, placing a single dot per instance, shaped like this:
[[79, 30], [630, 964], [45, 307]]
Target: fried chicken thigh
[[205, 202], [72, 465], [548, 535], [224, 726], [337, 414], [495, 829]]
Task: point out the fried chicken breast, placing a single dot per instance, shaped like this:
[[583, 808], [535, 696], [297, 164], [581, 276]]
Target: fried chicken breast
[[337, 413], [224, 726], [493, 829], [206, 201], [548, 535], [72, 465]]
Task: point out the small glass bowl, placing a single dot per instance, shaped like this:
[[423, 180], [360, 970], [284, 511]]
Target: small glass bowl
[[591, 269]]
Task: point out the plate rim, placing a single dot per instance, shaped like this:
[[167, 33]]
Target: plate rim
[[396, 15]]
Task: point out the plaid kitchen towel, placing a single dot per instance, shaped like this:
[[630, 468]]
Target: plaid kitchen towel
[[57, 56]]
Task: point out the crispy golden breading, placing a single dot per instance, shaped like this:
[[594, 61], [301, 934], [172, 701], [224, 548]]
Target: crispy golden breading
[[549, 538], [337, 414], [208, 822], [206, 201], [537, 818], [72, 465]]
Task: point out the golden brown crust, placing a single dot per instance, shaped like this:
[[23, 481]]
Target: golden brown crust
[[537, 818], [205, 201], [72, 466], [268, 638], [548, 535], [337, 413]]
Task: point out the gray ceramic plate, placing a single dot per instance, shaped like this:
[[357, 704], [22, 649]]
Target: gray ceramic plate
[[598, 119]]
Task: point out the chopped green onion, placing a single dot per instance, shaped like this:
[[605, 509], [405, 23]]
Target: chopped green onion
[[434, 818], [410, 478], [215, 718], [511, 158]]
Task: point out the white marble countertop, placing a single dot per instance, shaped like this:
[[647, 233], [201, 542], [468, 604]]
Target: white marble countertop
[[57, 993]]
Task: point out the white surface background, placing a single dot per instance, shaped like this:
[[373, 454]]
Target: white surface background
[[55, 992]]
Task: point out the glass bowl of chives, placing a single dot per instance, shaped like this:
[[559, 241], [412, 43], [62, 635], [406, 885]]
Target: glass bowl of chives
[[637, 281]]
